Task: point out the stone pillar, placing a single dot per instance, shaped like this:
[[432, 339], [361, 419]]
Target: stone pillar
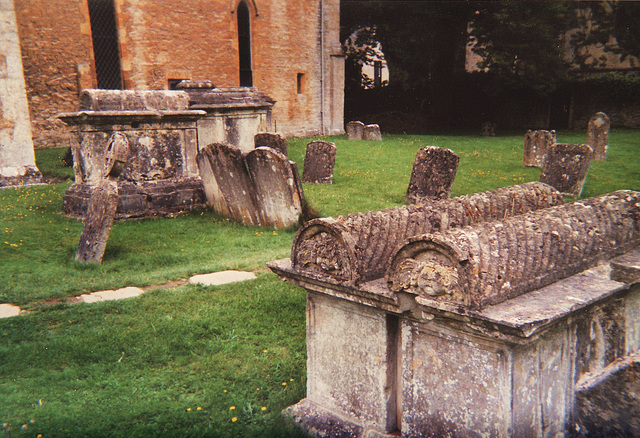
[[17, 158]]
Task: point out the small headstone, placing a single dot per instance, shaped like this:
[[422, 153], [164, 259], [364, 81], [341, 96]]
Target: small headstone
[[489, 129], [227, 183], [319, 161], [355, 130], [566, 168], [372, 133], [271, 140], [97, 223], [434, 170], [598, 135], [536, 146], [274, 187]]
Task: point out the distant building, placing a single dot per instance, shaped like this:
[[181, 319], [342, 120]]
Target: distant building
[[288, 49]]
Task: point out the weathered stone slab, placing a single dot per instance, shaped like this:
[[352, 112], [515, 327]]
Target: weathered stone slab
[[490, 262], [434, 170], [536, 147], [97, 223], [319, 160], [272, 140], [598, 135], [111, 295], [274, 186], [133, 100], [227, 183], [372, 133], [357, 248], [223, 277], [9, 310], [355, 130], [566, 167]]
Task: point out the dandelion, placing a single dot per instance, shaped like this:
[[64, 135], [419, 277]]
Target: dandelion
[[232, 408], [275, 234], [234, 419], [199, 408], [257, 389], [284, 383], [188, 409], [264, 351], [290, 380], [264, 408], [224, 390]]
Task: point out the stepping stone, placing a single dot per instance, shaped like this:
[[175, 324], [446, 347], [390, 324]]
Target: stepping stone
[[109, 295], [222, 277], [9, 310]]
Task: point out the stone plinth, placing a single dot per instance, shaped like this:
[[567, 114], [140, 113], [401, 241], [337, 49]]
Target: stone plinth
[[17, 158], [388, 363], [161, 175], [233, 115]]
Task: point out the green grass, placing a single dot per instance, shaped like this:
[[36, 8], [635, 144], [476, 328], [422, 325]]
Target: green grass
[[136, 367]]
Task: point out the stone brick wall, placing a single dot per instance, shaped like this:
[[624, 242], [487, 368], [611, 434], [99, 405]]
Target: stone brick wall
[[161, 40]]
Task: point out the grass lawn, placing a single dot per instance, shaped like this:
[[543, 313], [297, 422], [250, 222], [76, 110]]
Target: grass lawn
[[198, 361]]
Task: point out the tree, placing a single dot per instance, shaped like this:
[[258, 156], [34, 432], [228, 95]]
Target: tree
[[522, 43]]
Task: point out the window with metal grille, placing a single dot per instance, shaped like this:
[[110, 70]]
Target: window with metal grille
[[244, 45], [104, 33]]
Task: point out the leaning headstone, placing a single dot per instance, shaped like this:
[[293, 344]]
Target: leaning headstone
[[536, 146], [598, 135], [227, 183], [372, 132], [271, 140], [319, 161], [97, 223], [355, 130], [274, 187], [434, 170], [566, 168]]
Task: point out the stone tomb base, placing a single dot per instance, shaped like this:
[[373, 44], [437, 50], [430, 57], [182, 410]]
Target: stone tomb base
[[142, 199]]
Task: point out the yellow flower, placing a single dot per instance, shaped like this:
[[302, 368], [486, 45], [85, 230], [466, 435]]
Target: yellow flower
[[264, 408], [188, 409], [232, 408], [234, 419], [284, 383], [290, 380], [199, 408]]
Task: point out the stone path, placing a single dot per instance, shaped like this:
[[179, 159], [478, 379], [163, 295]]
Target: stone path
[[213, 279]]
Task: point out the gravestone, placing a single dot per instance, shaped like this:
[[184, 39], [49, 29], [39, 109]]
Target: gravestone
[[372, 133], [274, 187], [271, 140], [489, 129], [355, 130], [434, 170], [566, 168], [598, 135], [536, 147], [319, 161], [227, 183], [260, 188], [17, 157]]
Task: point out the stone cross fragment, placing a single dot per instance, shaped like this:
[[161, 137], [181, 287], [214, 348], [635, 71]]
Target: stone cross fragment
[[536, 146], [356, 248], [355, 130], [434, 170], [598, 135], [372, 133], [491, 262], [319, 160], [566, 168], [103, 202], [272, 140]]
